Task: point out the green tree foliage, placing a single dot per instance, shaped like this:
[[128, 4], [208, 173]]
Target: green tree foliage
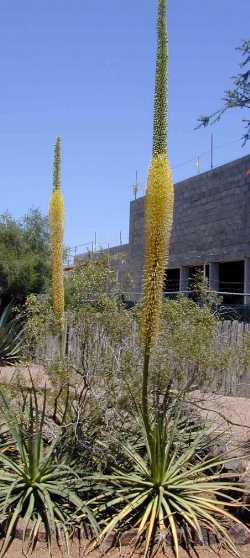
[[94, 299], [24, 256], [91, 283], [202, 293], [238, 97]]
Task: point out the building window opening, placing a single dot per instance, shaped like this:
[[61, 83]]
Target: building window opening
[[172, 281], [231, 281]]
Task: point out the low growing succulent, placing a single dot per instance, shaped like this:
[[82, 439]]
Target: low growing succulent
[[11, 337], [34, 485], [170, 488]]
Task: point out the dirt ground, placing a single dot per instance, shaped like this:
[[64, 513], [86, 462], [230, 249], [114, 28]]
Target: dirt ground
[[228, 412], [15, 551]]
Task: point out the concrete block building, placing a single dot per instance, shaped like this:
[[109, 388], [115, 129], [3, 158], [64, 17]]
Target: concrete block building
[[211, 228]]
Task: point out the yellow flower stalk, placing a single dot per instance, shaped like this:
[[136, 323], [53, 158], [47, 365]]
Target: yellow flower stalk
[[56, 215], [158, 223], [159, 197], [159, 201]]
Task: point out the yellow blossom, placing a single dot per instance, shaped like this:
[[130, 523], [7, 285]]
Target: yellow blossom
[[56, 215], [158, 223]]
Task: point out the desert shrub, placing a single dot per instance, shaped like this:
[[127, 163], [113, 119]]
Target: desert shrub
[[92, 283], [94, 425], [103, 344], [39, 323], [192, 351], [184, 346]]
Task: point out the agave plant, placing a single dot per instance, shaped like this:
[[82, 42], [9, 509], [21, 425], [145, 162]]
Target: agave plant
[[169, 489], [11, 337], [33, 485]]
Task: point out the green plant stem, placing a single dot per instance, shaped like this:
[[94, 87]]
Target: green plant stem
[[145, 390], [61, 345]]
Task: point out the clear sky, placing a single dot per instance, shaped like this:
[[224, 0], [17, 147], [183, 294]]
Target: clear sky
[[84, 70]]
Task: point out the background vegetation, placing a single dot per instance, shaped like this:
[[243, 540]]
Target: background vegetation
[[25, 257]]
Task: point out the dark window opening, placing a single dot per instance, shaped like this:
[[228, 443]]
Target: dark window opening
[[172, 280], [231, 281]]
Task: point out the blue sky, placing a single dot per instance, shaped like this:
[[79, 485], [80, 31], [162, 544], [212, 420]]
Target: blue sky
[[84, 70]]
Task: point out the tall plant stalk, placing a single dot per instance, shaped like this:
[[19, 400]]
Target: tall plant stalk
[[56, 214], [159, 201]]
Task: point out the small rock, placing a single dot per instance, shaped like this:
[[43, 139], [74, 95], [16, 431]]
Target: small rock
[[20, 527], [128, 537], [239, 533]]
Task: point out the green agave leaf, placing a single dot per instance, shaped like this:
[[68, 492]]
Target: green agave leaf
[[134, 504], [189, 517], [11, 526], [216, 526], [47, 513], [28, 513], [132, 478], [135, 456], [207, 465], [145, 516], [33, 485], [11, 488], [11, 464], [11, 337], [153, 516], [172, 525]]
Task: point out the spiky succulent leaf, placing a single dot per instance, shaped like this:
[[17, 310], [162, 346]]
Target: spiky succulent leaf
[[33, 484], [11, 337], [168, 489]]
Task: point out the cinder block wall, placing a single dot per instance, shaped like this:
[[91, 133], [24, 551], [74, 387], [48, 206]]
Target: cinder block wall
[[211, 220]]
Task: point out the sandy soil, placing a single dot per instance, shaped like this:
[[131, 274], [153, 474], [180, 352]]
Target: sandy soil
[[213, 406], [15, 551], [13, 374], [227, 414]]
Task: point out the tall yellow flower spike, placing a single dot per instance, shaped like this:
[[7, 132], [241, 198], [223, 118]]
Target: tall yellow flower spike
[[56, 215], [159, 198], [158, 223], [159, 201]]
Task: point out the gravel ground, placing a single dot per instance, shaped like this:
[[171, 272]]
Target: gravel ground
[[13, 374], [221, 410], [41, 551], [225, 413]]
